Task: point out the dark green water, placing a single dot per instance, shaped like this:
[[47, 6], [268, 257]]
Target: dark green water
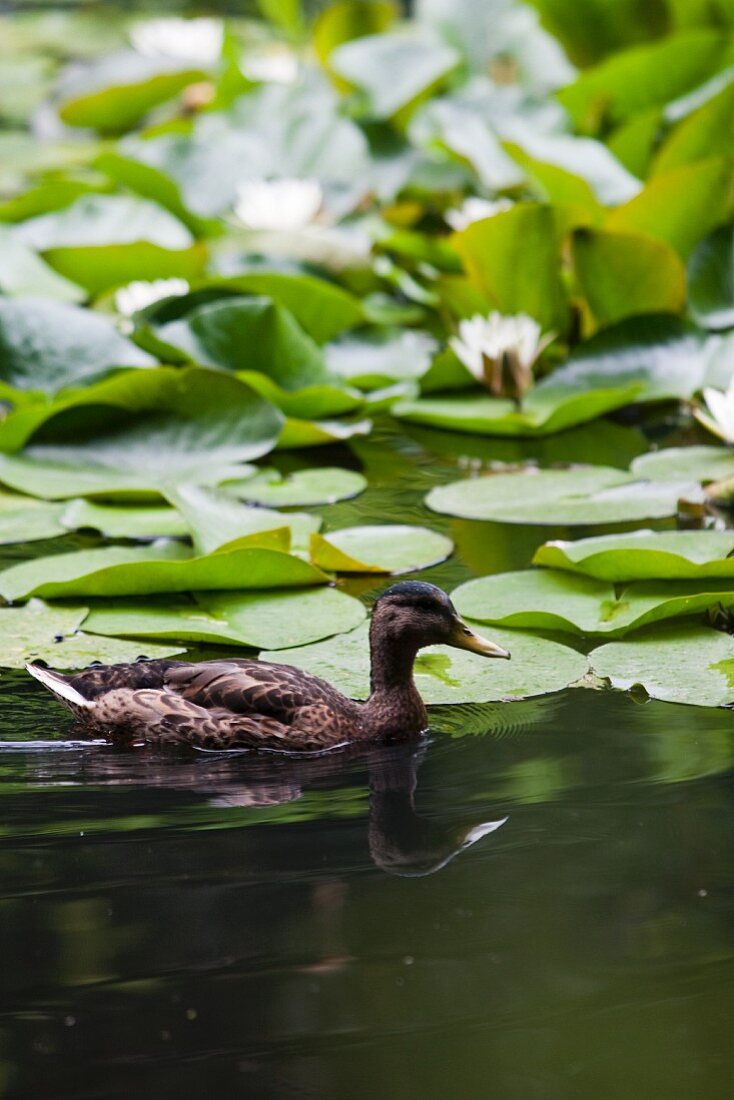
[[192, 925]]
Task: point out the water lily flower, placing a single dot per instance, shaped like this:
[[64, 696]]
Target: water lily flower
[[494, 347], [281, 204], [194, 41], [719, 414], [278, 65], [139, 294], [474, 209]]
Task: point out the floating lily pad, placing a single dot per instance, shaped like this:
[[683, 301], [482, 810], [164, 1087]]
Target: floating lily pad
[[711, 276], [119, 522], [548, 408], [381, 358], [22, 272], [217, 519], [261, 620], [645, 555], [24, 519], [313, 433], [197, 426], [694, 463], [319, 485], [445, 675], [580, 495], [160, 567], [46, 346], [681, 664], [38, 632], [552, 600], [389, 548]]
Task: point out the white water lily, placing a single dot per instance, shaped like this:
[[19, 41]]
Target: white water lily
[[474, 209], [489, 347], [139, 294], [719, 417], [195, 41], [278, 65], [284, 204]]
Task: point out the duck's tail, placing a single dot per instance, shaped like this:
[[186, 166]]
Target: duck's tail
[[60, 687]]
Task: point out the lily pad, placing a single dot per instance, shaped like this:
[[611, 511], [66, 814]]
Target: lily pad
[[388, 548], [317, 485], [46, 346], [120, 522], [549, 407], [644, 555], [446, 675], [711, 277], [24, 519], [38, 632], [553, 600], [580, 495], [680, 664], [697, 463], [22, 272], [160, 567], [313, 433], [102, 241], [199, 424], [659, 353], [217, 519], [382, 358], [261, 620]]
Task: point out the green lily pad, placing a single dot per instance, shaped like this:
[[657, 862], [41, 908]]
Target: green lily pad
[[660, 354], [102, 241], [38, 632], [680, 664], [388, 548], [382, 358], [160, 567], [318, 485], [313, 433], [261, 620], [120, 522], [711, 279], [115, 91], [22, 272], [446, 675], [46, 346], [553, 600], [549, 407], [580, 495], [699, 463], [644, 555], [198, 425], [217, 519], [24, 519]]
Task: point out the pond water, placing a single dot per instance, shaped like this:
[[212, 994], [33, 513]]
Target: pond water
[[178, 924]]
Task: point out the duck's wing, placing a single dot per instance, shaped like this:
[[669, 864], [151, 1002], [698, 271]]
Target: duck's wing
[[257, 688]]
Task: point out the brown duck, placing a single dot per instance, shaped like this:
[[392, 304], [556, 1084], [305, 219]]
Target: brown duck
[[233, 703]]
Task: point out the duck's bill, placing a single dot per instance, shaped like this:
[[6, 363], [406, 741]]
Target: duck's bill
[[465, 638]]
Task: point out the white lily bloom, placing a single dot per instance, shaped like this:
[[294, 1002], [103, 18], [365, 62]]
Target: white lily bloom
[[195, 41], [285, 204], [137, 295], [720, 416], [278, 65], [485, 344], [474, 209]]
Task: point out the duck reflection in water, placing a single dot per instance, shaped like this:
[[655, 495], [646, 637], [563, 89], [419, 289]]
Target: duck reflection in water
[[401, 841]]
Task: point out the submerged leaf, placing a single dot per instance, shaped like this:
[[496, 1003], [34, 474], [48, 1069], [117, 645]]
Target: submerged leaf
[[580, 495], [445, 675]]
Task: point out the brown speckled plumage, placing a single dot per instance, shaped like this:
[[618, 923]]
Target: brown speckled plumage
[[236, 702]]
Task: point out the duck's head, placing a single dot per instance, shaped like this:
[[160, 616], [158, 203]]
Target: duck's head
[[421, 614]]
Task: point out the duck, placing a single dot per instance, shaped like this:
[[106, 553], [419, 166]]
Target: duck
[[236, 703]]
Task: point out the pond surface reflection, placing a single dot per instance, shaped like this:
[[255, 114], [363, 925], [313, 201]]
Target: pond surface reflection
[[265, 926]]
